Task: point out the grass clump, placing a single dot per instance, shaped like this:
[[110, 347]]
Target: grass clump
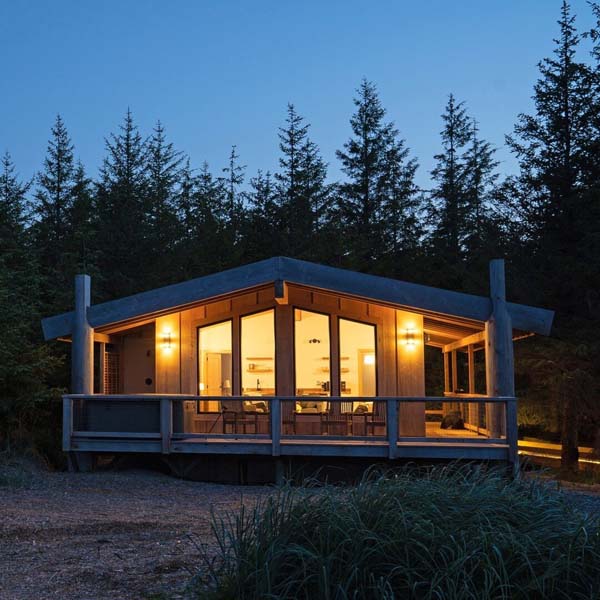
[[444, 534]]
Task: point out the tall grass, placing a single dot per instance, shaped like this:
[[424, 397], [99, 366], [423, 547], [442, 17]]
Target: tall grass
[[444, 534]]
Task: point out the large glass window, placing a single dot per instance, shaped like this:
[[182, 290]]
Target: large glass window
[[214, 363], [312, 355], [358, 361], [258, 354]]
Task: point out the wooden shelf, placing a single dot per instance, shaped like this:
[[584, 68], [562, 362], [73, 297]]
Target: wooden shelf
[[341, 358], [259, 358], [259, 370]]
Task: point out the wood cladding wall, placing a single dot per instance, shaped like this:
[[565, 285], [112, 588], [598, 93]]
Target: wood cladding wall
[[400, 370]]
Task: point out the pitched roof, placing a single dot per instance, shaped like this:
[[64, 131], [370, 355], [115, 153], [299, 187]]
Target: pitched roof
[[351, 283]]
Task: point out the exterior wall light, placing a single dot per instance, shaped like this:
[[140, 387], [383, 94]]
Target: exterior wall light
[[167, 343], [409, 338]]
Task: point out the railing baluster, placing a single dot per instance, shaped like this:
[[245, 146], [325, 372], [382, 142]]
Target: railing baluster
[[166, 424], [276, 426]]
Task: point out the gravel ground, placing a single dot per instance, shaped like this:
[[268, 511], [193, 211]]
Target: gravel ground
[[121, 535], [108, 535]]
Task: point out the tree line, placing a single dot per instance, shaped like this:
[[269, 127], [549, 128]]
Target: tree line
[[150, 218]]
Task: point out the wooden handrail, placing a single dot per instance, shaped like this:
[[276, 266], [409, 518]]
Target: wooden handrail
[[475, 398], [166, 401]]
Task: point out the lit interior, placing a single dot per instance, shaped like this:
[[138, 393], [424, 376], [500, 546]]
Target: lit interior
[[358, 362], [312, 355], [258, 353], [214, 363]]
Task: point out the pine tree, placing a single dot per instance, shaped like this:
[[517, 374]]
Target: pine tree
[[262, 233], [449, 197], [54, 200], [25, 363], [559, 210], [375, 202], [163, 178], [234, 209], [202, 206], [301, 189], [122, 215]]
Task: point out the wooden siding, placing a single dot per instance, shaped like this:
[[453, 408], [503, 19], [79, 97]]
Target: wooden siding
[[400, 370]]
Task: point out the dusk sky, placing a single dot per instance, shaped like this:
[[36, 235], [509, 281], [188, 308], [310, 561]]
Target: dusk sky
[[221, 73]]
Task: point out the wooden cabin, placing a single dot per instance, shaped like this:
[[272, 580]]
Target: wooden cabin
[[284, 358]]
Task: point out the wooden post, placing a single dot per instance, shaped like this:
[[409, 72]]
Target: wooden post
[[392, 426], [499, 354], [67, 424], [512, 432], [101, 367], [166, 424], [454, 359], [276, 426], [82, 349], [447, 384], [472, 408]]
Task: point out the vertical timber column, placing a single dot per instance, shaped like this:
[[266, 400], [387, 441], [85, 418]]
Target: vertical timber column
[[175, 416], [499, 360], [411, 372], [82, 349]]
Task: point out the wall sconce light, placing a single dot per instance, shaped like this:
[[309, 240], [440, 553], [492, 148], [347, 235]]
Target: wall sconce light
[[369, 359], [167, 343], [409, 338]]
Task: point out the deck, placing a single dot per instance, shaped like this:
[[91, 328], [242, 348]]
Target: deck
[[165, 424]]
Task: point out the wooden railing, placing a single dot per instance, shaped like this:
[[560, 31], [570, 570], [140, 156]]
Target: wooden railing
[[74, 405]]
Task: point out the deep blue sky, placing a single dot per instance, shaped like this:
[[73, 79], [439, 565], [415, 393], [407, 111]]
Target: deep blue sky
[[221, 73]]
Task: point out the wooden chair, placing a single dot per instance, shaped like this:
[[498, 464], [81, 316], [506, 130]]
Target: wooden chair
[[288, 421], [377, 418], [236, 418], [339, 417]]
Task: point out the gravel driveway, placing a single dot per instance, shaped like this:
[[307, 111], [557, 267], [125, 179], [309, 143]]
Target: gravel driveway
[[121, 535], [107, 535]]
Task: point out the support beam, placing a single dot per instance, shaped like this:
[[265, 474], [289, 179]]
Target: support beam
[[281, 292], [475, 338], [82, 350], [499, 352]]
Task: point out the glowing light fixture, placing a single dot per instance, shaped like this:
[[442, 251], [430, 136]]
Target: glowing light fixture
[[369, 359], [409, 338], [167, 343]]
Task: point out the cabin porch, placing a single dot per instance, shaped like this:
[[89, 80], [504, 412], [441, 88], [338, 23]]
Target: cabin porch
[[270, 426]]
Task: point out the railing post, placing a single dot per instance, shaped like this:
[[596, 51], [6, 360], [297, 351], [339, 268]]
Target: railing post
[[166, 424], [512, 430], [392, 426], [276, 426], [67, 428]]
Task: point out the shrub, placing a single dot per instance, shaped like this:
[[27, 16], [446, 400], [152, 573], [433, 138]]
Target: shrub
[[446, 533]]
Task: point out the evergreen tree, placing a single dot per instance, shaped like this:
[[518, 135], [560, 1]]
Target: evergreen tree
[[559, 210], [54, 199], [122, 215], [25, 364], [373, 161], [163, 178], [202, 205], [401, 207], [301, 189], [262, 234], [449, 197], [233, 209]]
